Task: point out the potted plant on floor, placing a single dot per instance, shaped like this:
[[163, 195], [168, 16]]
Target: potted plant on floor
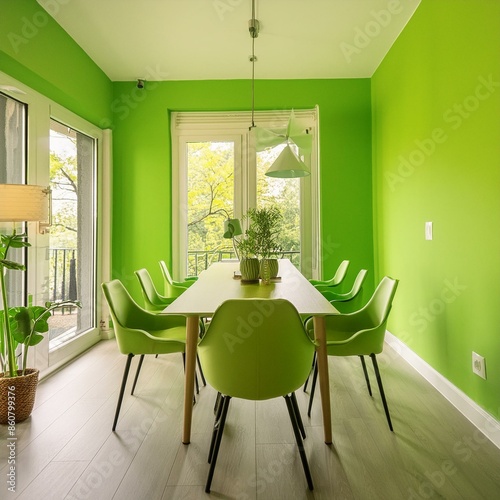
[[19, 325], [264, 229]]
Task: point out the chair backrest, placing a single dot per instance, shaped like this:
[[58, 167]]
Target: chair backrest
[[256, 349], [170, 289], [358, 283], [165, 271], [370, 322], [327, 292], [153, 301], [124, 310], [340, 273], [132, 323], [380, 303], [125, 313]]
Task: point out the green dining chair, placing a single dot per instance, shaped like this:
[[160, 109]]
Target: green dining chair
[[360, 333], [349, 301], [174, 288], [265, 354], [140, 332], [153, 300], [343, 302], [156, 303], [337, 278]]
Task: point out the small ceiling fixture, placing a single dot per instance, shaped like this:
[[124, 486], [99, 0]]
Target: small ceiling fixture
[[288, 164]]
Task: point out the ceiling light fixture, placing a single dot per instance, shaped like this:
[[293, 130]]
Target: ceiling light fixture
[[288, 164]]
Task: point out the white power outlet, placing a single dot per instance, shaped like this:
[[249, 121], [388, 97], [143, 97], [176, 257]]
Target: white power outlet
[[478, 365]]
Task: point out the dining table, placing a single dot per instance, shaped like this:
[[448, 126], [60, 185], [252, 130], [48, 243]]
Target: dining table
[[221, 282]]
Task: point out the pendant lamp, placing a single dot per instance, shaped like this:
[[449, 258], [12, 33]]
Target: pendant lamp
[[288, 164]]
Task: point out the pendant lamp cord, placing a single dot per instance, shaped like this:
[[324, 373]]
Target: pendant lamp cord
[[253, 81], [254, 33]]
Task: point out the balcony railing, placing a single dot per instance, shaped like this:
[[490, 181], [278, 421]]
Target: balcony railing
[[63, 262], [199, 260]]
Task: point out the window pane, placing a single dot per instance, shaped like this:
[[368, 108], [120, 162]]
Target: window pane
[[284, 193], [72, 242], [210, 202], [12, 171]]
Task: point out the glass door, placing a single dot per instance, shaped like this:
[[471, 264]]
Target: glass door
[[72, 233]]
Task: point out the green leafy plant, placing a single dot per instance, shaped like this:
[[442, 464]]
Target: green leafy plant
[[247, 248], [264, 230], [24, 324]]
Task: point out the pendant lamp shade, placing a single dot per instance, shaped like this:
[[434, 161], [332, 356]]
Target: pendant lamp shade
[[23, 202], [288, 165]]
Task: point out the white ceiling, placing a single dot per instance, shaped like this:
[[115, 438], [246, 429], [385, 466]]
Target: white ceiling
[[209, 39]]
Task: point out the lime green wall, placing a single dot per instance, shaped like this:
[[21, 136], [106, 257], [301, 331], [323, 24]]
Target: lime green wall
[[436, 157], [142, 168], [35, 50]]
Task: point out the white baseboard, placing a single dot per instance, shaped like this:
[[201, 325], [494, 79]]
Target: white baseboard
[[484, 422]]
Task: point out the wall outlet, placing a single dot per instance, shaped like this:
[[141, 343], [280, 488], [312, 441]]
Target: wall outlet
[[478, 365]]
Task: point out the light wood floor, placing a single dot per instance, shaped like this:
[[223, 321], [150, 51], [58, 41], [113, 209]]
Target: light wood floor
[[66, 450]]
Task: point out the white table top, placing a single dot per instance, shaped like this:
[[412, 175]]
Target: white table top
[[216, 285]]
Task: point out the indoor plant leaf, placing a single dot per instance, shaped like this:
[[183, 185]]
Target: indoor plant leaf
[[9, 264]]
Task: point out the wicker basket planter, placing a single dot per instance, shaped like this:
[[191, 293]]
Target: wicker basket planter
[[17, 396]]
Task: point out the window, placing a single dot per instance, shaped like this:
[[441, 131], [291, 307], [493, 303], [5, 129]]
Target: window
[[217, 174]]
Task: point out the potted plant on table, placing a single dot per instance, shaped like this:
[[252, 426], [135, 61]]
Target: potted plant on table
[[264, 229], [19, 325], [249, 263]]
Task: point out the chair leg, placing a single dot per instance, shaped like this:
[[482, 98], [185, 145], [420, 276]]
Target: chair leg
[[201, 371], [137, 373], [365, 371], [196, 378], [217, 402], [122, 389], [300, 444], [381, 388], [225, 406], [312, 369], [313, 388], [297, 415], [196, 382], [217, 412]]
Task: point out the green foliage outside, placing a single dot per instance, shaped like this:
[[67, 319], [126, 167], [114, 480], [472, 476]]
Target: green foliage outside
[[211, 194], [63, 181]]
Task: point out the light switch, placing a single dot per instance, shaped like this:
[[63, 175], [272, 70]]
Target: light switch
[[428, 230]]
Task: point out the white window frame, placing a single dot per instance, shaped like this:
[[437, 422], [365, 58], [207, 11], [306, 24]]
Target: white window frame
[[40, 111], [222, 126]]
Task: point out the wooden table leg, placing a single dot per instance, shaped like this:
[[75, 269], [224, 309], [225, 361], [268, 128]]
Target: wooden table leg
[[192, 328], [324, 381]]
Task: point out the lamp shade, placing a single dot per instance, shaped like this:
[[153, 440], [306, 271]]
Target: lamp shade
[[23, 202], [232, 227], [288, 165]]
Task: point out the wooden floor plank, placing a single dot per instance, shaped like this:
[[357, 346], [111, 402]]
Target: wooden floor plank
[[54, 481]]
